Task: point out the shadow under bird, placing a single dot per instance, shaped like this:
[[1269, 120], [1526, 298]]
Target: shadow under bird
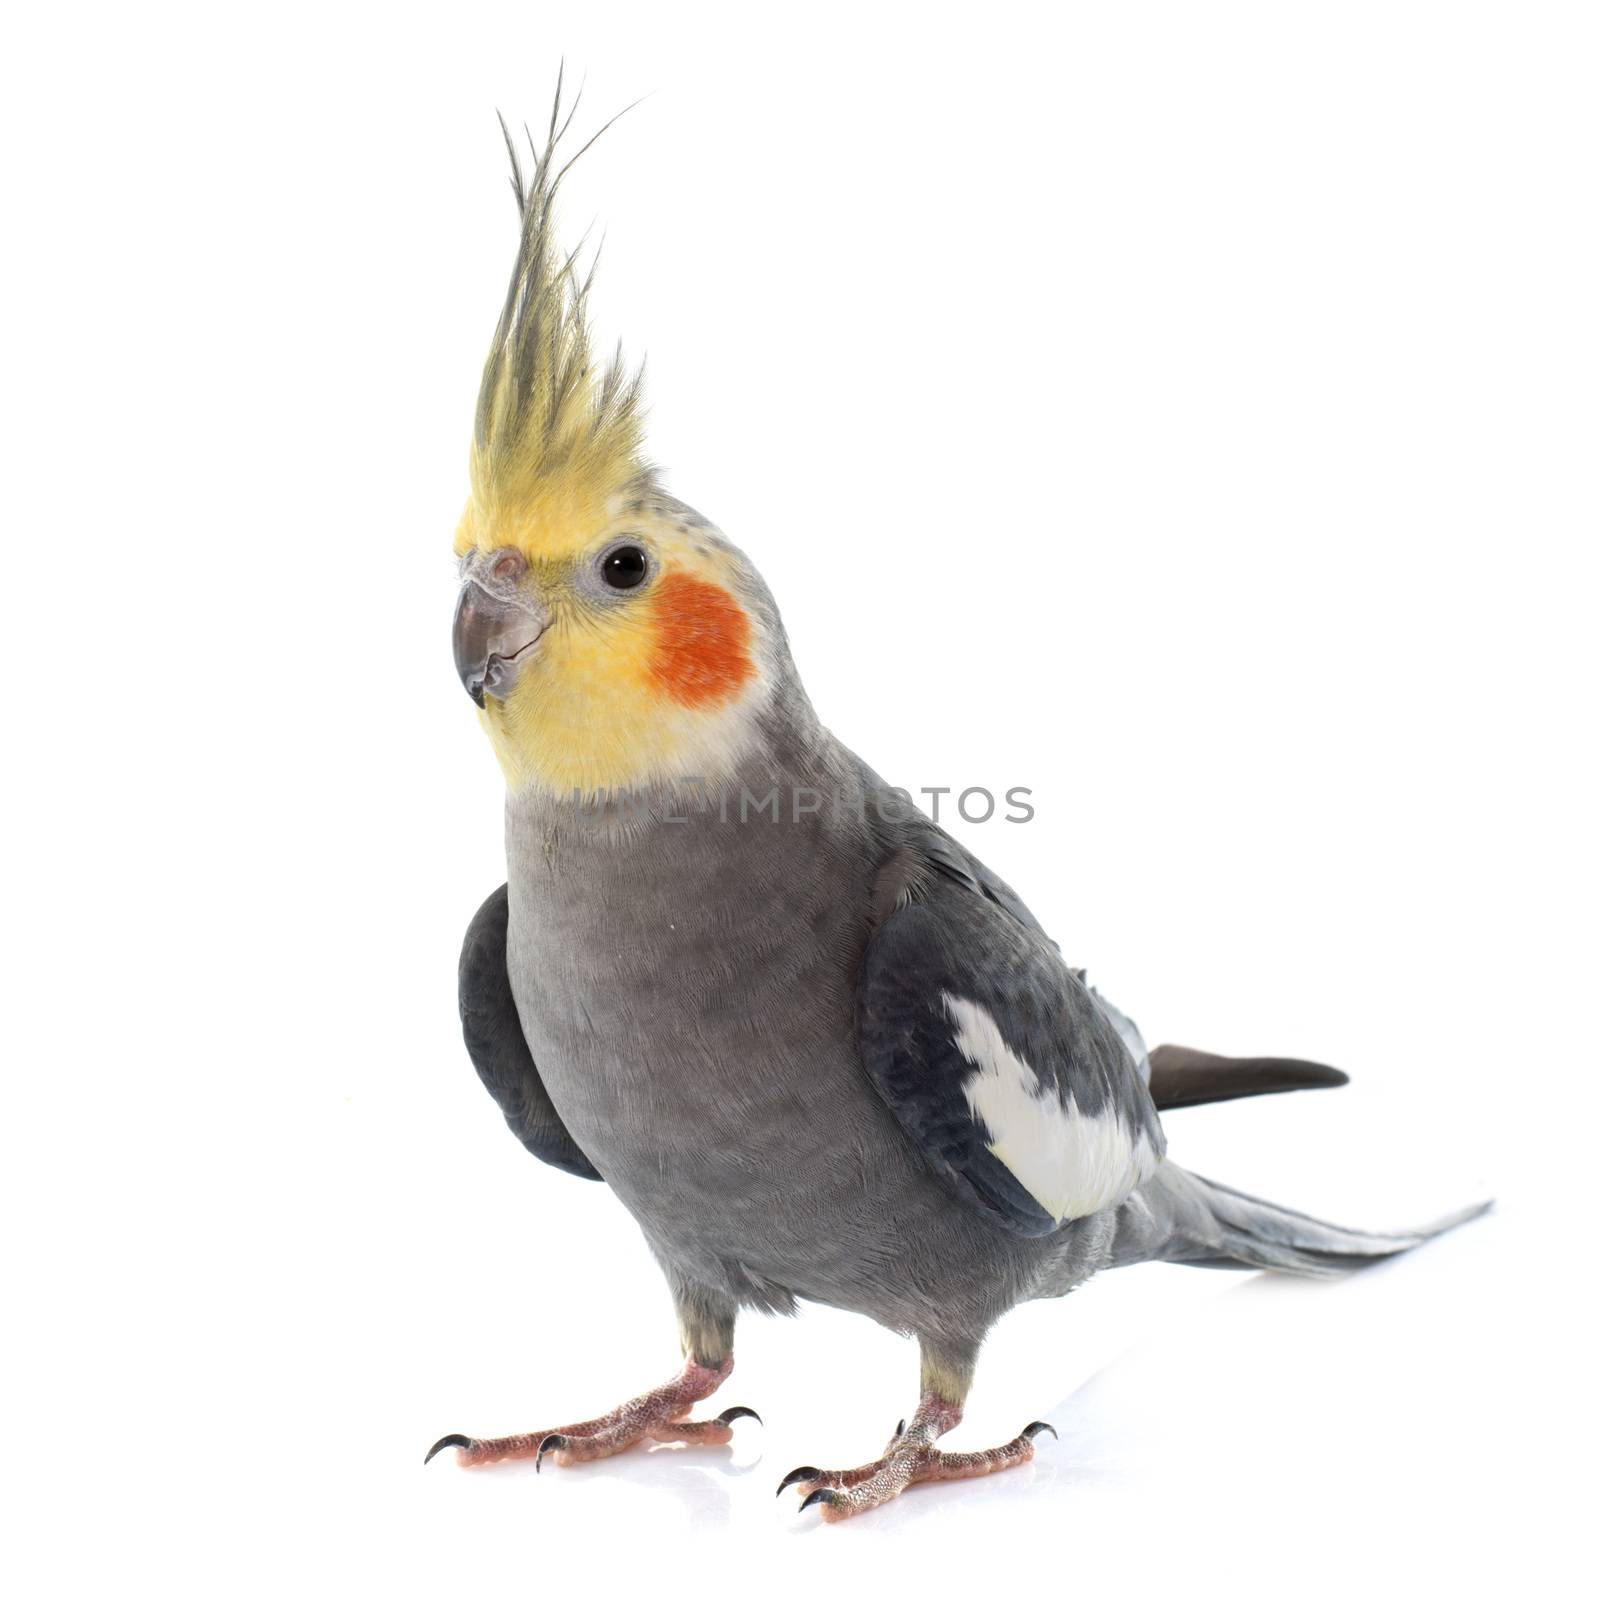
[[817, 1049]]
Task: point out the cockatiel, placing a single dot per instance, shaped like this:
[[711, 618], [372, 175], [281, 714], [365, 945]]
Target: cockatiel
[[813, 1044]]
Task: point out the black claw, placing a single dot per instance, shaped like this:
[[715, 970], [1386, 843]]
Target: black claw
[[459, 1440], [799, 1475], [900, 1427], [733, 1413], [551, 1441], [821, 1497], [1034, 1429]]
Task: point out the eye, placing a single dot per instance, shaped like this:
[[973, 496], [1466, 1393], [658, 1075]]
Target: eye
[[624, 567]]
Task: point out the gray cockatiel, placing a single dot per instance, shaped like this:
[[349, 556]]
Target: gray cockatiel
[[817, 1049]]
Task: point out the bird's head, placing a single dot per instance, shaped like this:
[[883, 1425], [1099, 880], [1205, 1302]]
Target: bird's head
[[610, 637]]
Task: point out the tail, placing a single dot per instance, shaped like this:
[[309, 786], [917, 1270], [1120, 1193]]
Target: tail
[[1180, 1216], [1183, 1077]]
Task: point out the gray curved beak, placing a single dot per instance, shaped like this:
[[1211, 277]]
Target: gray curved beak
[[494, 638]]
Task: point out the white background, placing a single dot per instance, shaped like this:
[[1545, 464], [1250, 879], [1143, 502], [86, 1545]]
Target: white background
[[1187, 411]]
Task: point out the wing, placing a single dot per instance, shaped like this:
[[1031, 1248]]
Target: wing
[[997, 1060], [493, 1032]]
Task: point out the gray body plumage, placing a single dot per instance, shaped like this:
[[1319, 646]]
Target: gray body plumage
[[688, 990], [689, 984]]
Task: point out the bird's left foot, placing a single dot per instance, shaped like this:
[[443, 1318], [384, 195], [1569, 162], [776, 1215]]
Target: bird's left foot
[[910, 1457]]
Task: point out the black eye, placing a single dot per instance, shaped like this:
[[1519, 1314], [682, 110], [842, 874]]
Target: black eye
[[624, 567]]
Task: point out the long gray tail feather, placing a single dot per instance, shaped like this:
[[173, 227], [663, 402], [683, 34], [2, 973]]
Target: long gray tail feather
[[1180, 1216]]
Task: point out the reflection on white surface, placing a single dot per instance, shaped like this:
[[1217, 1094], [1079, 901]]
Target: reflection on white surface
[[1247, 1429]]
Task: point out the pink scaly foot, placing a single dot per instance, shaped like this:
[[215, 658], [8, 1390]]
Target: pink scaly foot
[[659, 1415], [911, 1457]]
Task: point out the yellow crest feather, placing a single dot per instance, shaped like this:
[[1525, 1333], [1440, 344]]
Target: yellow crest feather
[[554, 438]]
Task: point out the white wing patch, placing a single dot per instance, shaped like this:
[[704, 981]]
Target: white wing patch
[[1072, 1163]]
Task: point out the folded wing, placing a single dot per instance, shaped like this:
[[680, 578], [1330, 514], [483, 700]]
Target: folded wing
[[998, 1061]]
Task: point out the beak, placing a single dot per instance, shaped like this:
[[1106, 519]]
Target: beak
[[494, 637]]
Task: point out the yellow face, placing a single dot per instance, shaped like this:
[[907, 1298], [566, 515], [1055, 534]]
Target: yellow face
[[607, 651]]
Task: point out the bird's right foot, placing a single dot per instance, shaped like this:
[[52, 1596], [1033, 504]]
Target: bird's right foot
[[659, 1415]]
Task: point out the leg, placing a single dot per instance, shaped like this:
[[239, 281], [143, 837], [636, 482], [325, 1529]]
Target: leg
[[660, 1414], [911, 1456]]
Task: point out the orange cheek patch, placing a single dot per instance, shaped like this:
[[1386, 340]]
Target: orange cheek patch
[[701, 649]]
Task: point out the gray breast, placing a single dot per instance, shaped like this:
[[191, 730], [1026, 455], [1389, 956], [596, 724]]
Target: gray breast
[[687, 989]]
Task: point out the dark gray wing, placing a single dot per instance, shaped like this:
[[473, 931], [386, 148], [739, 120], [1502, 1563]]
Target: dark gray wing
[[994, 1056], [493, 1032]]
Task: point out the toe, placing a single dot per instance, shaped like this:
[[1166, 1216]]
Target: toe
[[828, 1498]]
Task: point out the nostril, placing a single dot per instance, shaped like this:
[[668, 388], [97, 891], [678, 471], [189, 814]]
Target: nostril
[[508, 566]]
